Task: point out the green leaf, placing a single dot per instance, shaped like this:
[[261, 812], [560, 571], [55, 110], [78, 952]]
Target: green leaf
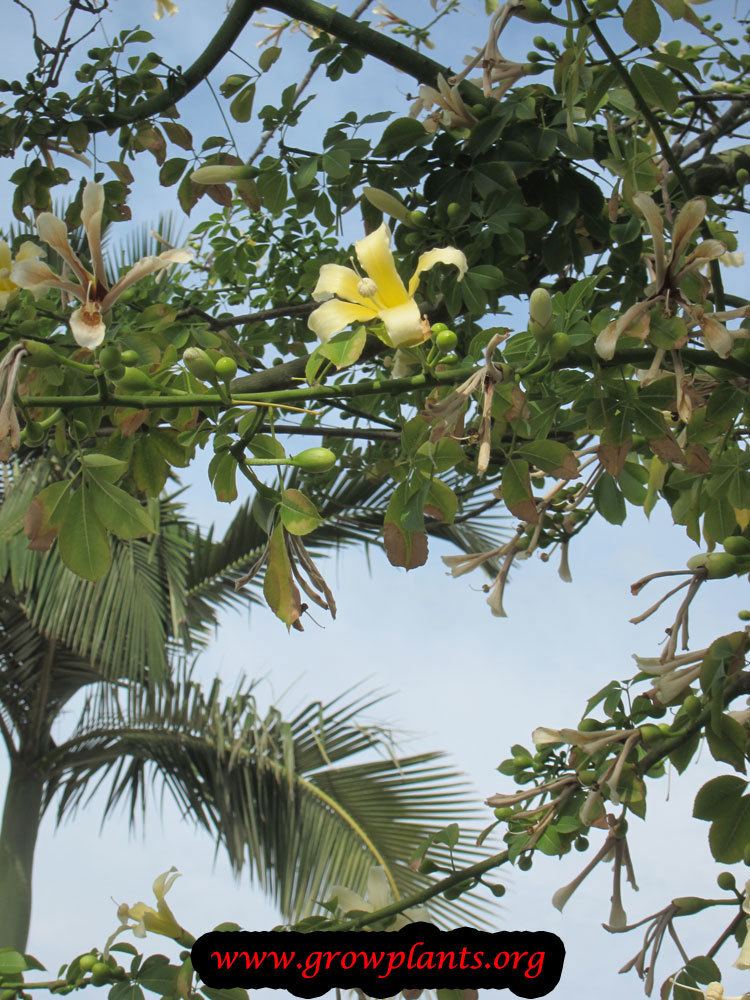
[[299, 515], [11, 962], [516, 491], [265, 446], [148, 469], [118, 511], [656, 87], [273, 189], [268, 57], [552, 457], [105, 466], [279, 588], [344, 348], [236, 993], [126, 991], [441, 501], [608, 500], [337, 163], [83, 543], [172, 170], [157, 975], [306, 173], [642, 22], [729, 836], [222, 472], [241, 108]]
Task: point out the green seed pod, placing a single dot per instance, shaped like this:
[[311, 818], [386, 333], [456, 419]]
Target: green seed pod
[[130, 357], [87, 962], [110, 357], [40, 355], [497, 890], [743, 176], [726, 881], [721, 565], [217, 174], [315, 460], [525, 862], [533, 10], [540, 307], [650, 734], [503, 812], [559, 346], [198, 363], [226, 368], [134, 380], [744, 616], [737, 545], [445, 340], [100, 969], [581, 844], [688, 905]]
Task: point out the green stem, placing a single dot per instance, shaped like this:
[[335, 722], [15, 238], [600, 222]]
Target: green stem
[[20, 826]]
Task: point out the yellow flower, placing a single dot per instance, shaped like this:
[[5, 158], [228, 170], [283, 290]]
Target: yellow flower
[[381, 295], [160, 920], [452, 112], [165, 7], [379, 895], [27, 251], [92, 290]]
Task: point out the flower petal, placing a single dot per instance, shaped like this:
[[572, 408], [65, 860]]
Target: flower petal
[[341, 281], [374, 253], [648, 209], [55, 234], [403, 324], [378, 888], [144, 267], [333, 316], [606, 343], [717, 338], [91, 218], [442, 255], [88, 327], [5, 258], [348, 900], [35, 276], [688, 219], [29, 251]]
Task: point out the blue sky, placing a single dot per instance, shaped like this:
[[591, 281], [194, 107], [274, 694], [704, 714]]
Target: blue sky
[[461, 680]]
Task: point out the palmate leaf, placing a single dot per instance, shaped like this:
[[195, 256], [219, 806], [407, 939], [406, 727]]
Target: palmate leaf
[[306, 804]]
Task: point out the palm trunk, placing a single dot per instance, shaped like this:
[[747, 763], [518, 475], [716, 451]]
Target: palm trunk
[[22, 816]]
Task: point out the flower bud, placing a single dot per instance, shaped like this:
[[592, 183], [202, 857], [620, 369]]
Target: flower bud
[[315, 460], [540, 307], [217, 174], [198, 363], [721, 565], [688, 905], [134, 380], [40, 355]]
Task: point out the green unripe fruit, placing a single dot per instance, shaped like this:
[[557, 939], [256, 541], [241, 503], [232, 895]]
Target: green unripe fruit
[[134, 380], [534, 57], [540, 307], [130, 357], [226, 368], [533, 10], [743, 175], [581, 844], [110, 357], [721, 565], [40, 355], [450, 359], [87, 962], [438, 328], [117, 373], [698, 561], [503, 812], [525, 862], [589, 726], [413, 240], [744, 616], [198, 363], [559, 346], [692, 705], [497, 890], [315, 460], [453, 211], [417, 217], [587, 777], [479, 111], [100, 969], [737, 545], [540, 42], [726, 881], [445, 341]]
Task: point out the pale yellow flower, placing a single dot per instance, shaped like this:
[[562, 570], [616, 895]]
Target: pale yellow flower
[[165, 7], [91, 289], [452, 112], [27, 251], [160, 920], [379, 894], [349, 298]]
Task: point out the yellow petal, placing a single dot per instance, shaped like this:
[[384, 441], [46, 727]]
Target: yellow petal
[[374, 253], [144, 267], [403, 324], [334, 316], [88, 327], [28, 251], [648, 209], [91, 218], [53, 231], [606, 342], [340, 281], [442, 255]]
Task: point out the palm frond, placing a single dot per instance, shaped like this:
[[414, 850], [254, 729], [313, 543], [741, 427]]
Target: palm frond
[[307, 804]]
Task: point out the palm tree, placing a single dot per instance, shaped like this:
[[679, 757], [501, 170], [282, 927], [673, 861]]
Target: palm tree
[[307, 802]]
